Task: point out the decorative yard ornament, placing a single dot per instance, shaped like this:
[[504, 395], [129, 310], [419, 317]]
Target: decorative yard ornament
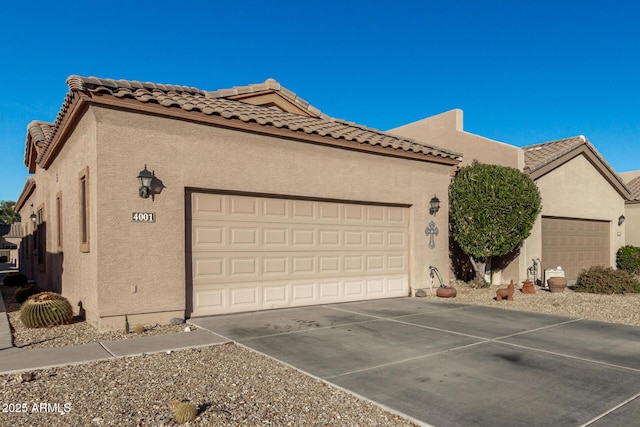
[[431, 231]]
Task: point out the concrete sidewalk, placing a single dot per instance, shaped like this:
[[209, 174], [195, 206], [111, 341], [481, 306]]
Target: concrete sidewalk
[[13, 360], [5, 329]]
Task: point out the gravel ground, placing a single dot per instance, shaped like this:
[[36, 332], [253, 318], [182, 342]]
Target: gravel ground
[[623, 309], [79, 332], [231, 385]]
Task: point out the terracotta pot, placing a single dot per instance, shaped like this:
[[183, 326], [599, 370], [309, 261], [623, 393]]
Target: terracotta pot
[[557, 284], [528, 288], [446, 292]]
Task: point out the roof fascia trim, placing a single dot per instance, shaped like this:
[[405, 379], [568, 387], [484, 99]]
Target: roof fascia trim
[[26, 192], [76, 107]]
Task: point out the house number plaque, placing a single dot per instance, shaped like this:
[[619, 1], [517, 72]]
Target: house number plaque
[[143, 216]]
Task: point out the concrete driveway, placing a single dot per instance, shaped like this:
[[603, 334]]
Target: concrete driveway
[[456, 365]]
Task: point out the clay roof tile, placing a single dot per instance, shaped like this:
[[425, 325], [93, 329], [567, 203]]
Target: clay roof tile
[[217, 103]]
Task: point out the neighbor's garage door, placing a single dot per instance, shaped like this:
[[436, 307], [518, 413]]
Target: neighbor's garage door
[[252, 253], [574, 244]]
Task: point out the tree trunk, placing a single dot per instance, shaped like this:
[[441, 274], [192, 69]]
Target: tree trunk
[[479, 266]]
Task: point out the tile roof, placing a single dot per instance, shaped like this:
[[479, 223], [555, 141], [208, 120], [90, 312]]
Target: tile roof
[[268, 85], [216, 104], [11, 230], [634, 187], [539, 155], [40, 134]]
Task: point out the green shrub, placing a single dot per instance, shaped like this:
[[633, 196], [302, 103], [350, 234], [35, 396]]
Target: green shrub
[[628, 259], [15, 279], [606, 280], [24, 292]]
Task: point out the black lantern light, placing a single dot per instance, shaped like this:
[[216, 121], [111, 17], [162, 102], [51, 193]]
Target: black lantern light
[[434, 205], [33, 217], [145, 178], [621, 219]]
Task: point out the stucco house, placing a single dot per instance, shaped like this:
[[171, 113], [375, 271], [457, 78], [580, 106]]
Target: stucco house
[[632, 208], [10, 238], [583, 203], [256, 200], [583, 198]]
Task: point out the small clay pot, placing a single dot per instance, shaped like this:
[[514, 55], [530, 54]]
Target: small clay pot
[[557, 284], [448, 292], [528, 288]]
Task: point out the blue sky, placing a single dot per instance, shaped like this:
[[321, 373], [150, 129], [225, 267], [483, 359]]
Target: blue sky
[[522, 72]]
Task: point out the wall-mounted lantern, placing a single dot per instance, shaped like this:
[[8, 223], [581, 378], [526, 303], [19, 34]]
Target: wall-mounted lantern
[[434, 205], [621, 219], [145, 178], [33, 217]]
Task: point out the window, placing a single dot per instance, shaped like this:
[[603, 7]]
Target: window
[[84, 209], [59, 219]]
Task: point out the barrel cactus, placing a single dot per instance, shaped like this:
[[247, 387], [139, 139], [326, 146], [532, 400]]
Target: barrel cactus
[[139, 329], [46, 309], [185, 412]]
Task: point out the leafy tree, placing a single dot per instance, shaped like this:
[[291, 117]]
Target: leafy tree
[[7, 214], [492, 209]]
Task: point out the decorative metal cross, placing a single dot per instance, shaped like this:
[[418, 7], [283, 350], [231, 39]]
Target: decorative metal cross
[[431, 231]]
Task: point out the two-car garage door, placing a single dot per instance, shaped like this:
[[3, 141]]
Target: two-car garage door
[[251, 253]]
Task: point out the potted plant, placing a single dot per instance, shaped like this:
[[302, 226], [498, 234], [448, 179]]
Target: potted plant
[[557, 284]]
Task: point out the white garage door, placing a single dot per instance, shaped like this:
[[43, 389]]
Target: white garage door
[[253, 253]]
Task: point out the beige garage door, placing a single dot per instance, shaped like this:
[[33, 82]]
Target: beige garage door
[[574, 244], [253, 253]]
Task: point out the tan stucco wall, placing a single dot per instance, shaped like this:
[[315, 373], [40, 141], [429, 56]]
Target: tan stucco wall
[[446, 130], [632, 223], [68, 270], [632, 213], [577, 190], [142, 266]]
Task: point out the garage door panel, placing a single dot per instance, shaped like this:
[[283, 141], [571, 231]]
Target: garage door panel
[[213, 235], [574, 244], [252, 253], [234, 266]]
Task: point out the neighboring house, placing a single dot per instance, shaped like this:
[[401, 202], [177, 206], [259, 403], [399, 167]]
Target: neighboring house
[[10, 237], [582, 197], [258, 200], [583, 200], [632, 208]]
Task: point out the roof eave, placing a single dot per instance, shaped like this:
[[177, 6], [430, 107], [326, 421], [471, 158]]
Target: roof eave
[[26, 192]]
